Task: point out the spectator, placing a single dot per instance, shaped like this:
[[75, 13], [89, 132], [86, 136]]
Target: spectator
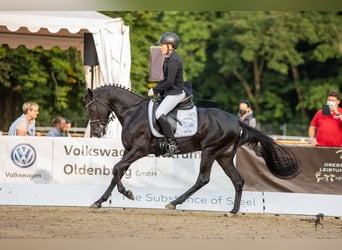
[[245, 113], [326, 127], [67, 127], [58, 124], [26, 123]]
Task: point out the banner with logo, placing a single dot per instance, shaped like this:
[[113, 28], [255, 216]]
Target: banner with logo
[[25, 160], [321, 171], [83, 166], [77, 171], [84, 160]]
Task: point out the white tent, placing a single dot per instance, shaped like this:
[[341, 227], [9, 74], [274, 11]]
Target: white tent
[[66, 29]]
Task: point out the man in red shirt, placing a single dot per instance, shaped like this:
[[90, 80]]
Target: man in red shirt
[[326, 127]]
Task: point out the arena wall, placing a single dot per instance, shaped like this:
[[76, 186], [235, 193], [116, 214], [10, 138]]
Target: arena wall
[[76, 171]]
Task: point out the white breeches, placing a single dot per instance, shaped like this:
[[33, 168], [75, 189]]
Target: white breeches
[[168, 104]]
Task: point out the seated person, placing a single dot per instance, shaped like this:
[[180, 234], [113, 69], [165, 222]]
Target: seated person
[[26, 123], [58, 124], [67, 127]]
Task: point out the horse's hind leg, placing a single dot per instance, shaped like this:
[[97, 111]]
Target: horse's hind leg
[[226, 162], [202, 179]]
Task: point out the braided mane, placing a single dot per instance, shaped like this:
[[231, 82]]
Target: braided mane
[[123, 88]]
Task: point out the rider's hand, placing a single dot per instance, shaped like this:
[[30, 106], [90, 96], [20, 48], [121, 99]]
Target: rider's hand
[[150, 92]]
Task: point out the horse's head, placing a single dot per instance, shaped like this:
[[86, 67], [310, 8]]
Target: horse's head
[[98, 113]]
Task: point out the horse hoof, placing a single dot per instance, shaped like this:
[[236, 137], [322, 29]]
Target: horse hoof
[[130, 195], [230, 215], [234, 211], [170, 206], [95, 205]]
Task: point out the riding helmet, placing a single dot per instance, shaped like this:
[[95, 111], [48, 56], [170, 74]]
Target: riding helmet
[[169, 38]]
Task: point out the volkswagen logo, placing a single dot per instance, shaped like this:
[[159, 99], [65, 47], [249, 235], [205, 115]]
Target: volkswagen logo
[[23, 155]]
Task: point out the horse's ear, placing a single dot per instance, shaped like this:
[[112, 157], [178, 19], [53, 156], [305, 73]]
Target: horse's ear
[[90, 93]]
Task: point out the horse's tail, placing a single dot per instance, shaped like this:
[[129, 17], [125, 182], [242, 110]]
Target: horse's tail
[[279, 160]]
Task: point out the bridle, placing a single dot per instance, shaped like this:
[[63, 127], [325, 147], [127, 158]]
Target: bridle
[[101, 124]]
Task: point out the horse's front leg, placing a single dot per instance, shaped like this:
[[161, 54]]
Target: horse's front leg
[[118, 171], [105, 196], [121, 167]]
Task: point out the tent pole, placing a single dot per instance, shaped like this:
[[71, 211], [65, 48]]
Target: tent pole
[[92, 76]]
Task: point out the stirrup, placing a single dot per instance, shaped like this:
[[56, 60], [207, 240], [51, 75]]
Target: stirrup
[[171, 149]]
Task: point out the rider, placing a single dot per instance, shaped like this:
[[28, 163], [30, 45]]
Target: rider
[[170, 87]]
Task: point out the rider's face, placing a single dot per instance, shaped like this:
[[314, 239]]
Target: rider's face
[[164, 49]]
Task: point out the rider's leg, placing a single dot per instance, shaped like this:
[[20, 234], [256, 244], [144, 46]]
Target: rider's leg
[[171, 147], [168, 103]]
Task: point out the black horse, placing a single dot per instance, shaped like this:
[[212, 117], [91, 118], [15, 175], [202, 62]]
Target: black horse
[[218, 138]]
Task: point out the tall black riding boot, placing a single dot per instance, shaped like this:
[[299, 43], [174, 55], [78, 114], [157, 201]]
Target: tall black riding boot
[[171, 148]]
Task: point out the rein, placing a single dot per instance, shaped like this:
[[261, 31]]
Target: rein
[[102, 123]]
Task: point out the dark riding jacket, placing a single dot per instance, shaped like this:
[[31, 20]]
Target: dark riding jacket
[[173, 76]]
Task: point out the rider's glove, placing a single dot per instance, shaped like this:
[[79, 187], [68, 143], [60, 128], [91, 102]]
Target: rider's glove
[[150, 92]]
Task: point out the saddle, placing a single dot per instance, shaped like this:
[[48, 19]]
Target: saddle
[[183, 118]]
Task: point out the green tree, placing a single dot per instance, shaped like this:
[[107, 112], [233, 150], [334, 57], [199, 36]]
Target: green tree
[[284, 62], [52, 78], [145, 30], [264, 52]]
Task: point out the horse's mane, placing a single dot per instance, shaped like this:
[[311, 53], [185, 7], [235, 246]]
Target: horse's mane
[[123, 88]]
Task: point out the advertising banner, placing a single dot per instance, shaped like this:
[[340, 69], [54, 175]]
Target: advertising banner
[[321, 171], [77, 171], [84, 160], [25, 159], [68, 166]]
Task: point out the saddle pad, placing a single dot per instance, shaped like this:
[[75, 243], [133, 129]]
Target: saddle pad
[[187, 125]]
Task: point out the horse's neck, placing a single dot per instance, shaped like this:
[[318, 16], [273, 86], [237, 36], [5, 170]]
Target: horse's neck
[[124, 103]]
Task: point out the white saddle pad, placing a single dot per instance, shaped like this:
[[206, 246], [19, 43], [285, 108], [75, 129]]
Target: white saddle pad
[[187, 125]]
